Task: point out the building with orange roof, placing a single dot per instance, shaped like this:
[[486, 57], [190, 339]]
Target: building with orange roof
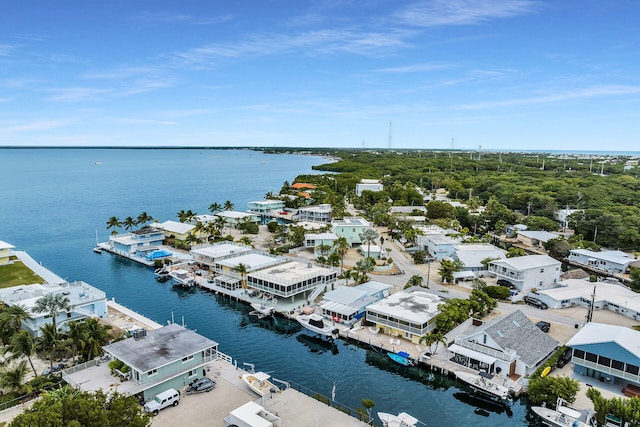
[[303, 185]]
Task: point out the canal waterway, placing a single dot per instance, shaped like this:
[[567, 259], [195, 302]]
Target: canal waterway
[[52, 201]]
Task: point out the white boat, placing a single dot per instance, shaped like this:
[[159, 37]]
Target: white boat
[[97, 248], [262, 310], [259, 382], [562, 416], [316, 323], [401, 420], [481, 384]]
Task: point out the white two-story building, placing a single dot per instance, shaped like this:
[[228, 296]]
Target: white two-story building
[[527, 272]]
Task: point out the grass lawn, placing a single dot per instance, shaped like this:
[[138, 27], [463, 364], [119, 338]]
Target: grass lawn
[[16, 274]]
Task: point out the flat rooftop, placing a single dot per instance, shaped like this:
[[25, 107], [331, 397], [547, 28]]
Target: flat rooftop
[[291, 272], [351, 221], [253, 261], [79, 293], [159, 347], [221, 250], [416, 307]]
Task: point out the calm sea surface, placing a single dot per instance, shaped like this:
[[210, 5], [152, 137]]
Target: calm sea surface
[[52, 201]]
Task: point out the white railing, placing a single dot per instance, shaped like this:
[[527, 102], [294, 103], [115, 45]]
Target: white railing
[[508, 355], [607, 370]]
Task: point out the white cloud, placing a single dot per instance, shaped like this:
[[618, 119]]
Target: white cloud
[[416, 68], [74, 94], [34, 126], [433, 13], [7, 49]]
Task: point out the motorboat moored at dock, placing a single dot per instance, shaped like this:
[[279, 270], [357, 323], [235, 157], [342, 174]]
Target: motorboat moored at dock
[[562, 416], [401, 357], [401, 420], [482, 385], [316, 323], [259, 383], [262, 309]]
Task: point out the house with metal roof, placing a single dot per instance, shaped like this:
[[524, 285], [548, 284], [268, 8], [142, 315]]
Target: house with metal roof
[[316, 241], [350, 228], [535, 238], [527, 272], [160, 359], [607, 353], [407, 314], [347, 304], [510, 345], [5, 252], [85, 300], [174, 229], [612, 262], [471, 256]]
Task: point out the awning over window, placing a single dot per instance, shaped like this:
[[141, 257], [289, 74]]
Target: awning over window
[[480, 357]]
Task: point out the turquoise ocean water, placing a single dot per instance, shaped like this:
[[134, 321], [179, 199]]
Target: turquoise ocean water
[[52, 201]]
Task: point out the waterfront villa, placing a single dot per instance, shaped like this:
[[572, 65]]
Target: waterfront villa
[[208, 255], [317, 240], [609, 354], [174, 230], [85, 300], [266, 210], [350, 228], [160, 359], [511, 345], [607, 296], [319, 213], [374, 185], [138, 243], [407, 314], [231, 279], [5, 252], [612, 262], [527, 272], [289, 279], [348, 304]]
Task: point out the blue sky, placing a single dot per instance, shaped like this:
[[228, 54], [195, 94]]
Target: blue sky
[[500, 74]]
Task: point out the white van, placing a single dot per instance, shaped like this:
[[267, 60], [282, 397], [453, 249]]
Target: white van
[[162, 400]]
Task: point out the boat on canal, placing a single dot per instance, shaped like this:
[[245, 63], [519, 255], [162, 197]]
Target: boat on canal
[[316, 323], [401, 357], [401, 420], [563, 416], [259, 383], [482, 385], [261, 309]]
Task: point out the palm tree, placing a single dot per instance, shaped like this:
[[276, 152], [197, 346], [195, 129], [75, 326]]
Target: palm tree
[[220, 222], [415, 280], [143, 219], [228, 206], [215, 207], [246, 240], [114, 223], [48, 341], [182, 215], [190, 239], [199, 229], [242, 270], [369, 236], [13, 379], [341, 248], [22, 344], [11, 318], [128, 223], [431, 338], [77, 337], [52, 304], [97, 336]]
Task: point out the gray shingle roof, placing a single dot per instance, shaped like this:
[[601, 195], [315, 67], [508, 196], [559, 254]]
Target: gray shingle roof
[[517, 332]]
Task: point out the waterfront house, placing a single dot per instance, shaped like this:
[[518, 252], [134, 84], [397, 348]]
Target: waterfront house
[[605, 296], [208, 255], [607, 353], [350, 228], [527, 272], [137, 243], [234, 218], [319, 213], [511, 345], [290, 279], [85, 300], [471, 256], [174, 229], [229, 278], [348, 304], [535, 239], [266, 210], [160, 359], [611, 262], [317, 240], [374, 185], [407, 314], [5, 252]]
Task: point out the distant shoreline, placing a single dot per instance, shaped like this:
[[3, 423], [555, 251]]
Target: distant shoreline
[[324, 150]]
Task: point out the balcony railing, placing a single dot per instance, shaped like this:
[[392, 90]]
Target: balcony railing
[[507, 355], [607, 369]]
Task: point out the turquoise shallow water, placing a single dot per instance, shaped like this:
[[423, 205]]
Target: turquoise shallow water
[[53, 200]]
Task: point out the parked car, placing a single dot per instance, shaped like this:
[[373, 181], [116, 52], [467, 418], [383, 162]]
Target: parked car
[[535, 302], [202, 385], [162, 400], [503, 282], [56, 368], [564, 359], [544, 326]]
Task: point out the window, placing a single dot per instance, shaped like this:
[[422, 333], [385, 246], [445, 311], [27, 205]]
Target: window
[[616, 364], [592, 357], [579, 354], [152, 372], [604, 361], [632, 369], [542, 270], [192, 373], [188, 358]]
